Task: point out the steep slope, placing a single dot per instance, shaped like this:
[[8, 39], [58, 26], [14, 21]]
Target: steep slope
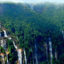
[[37, 31]]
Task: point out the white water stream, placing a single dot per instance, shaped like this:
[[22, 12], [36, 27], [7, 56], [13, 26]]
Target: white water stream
[[50, 50], [19, 51], [2, 44], [36, 59], [46, 47], [5, 34], [7, 58], [25, 56], [19, 56], [56, 55], [3, 60], [15, 45]]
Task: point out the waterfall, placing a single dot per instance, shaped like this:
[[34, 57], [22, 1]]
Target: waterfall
[[9, 38], [46, 47], [2, 44], [15, 45], [63, 34], [36, 59], [0, 25], [19, 51], [56, 55], [19, 56], [5, 34], [0, 34], [7, 58], [50, 50], [3, 60], [25, 57]]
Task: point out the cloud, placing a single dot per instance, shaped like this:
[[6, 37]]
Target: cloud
[[27, 1], [33, 1], [11, 1]]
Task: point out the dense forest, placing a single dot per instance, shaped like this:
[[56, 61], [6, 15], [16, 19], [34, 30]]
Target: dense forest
[[33, 27]]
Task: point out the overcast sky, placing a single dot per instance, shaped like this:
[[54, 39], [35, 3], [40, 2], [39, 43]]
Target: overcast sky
[[33, 1]]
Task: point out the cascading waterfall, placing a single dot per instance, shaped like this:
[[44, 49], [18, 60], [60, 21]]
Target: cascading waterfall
[[0, 25], [0, 34], [46, 47], [50, 50], [36, 59], [56, 55], [15, 45], [2, 44], [5, 34], [19, 51], [20, 56], [25, 57], [3, 60], [9, 38], [7, 58]]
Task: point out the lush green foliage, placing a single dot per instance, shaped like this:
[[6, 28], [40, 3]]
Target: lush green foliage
[[38, 24]]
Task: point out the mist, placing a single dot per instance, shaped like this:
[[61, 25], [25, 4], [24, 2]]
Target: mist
[[34, 1]]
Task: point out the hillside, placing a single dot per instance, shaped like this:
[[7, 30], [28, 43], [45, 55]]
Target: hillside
[[37, 30]]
